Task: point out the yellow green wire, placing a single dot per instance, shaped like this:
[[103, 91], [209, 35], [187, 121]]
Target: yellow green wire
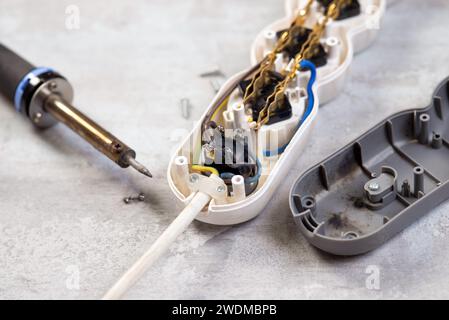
[[204, 168], [219, 108]]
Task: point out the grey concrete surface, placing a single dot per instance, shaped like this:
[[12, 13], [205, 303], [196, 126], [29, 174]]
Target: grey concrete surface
[[61, 210]]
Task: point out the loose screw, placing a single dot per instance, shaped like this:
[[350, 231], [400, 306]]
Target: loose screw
[[185, 108], [140, 197]]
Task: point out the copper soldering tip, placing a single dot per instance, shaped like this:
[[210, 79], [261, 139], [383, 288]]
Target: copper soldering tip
[[138, 166]]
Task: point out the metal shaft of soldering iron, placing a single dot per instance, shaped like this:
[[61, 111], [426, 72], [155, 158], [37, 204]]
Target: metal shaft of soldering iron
[[97, 136], [44, 96]]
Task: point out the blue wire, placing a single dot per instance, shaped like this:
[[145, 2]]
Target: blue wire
[[226, 175], [258, 174], [305, 64]]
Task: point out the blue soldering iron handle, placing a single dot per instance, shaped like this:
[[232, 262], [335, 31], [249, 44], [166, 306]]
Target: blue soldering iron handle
[[13, 69]]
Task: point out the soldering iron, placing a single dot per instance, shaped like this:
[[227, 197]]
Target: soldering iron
[[44, 96]]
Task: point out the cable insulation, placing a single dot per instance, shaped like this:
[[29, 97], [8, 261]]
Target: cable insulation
[[199, 201]]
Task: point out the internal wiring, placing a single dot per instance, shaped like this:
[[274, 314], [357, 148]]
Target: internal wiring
[[256, 177], [224, 103], [249, 180], [205, 168], [305, 64], [220, 101]]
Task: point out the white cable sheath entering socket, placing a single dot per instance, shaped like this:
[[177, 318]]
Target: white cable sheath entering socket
[[159, 247]]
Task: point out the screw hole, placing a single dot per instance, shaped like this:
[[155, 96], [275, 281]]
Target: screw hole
[[332, 41], [418, 169], [238, 179], [181, 160], [350, 235], [238, 107], [270, 34], [117, 147], [309, 202]]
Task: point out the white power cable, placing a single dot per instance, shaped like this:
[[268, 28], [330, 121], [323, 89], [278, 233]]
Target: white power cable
[[159, 247]]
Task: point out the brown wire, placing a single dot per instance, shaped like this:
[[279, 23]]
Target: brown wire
[[228, 92]]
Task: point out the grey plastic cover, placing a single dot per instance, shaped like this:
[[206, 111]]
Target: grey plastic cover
[[380, 183]]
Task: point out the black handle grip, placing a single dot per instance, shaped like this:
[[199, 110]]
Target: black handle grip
[[12, 70]]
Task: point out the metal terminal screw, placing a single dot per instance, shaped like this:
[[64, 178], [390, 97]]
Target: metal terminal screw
[[220, 189], [117, 147], [239, 133], [194, 178], [37, 117], [374, 186], [209, 147], [53, 86]]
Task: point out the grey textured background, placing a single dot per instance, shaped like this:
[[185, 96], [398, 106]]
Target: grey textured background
[[61, 203]]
